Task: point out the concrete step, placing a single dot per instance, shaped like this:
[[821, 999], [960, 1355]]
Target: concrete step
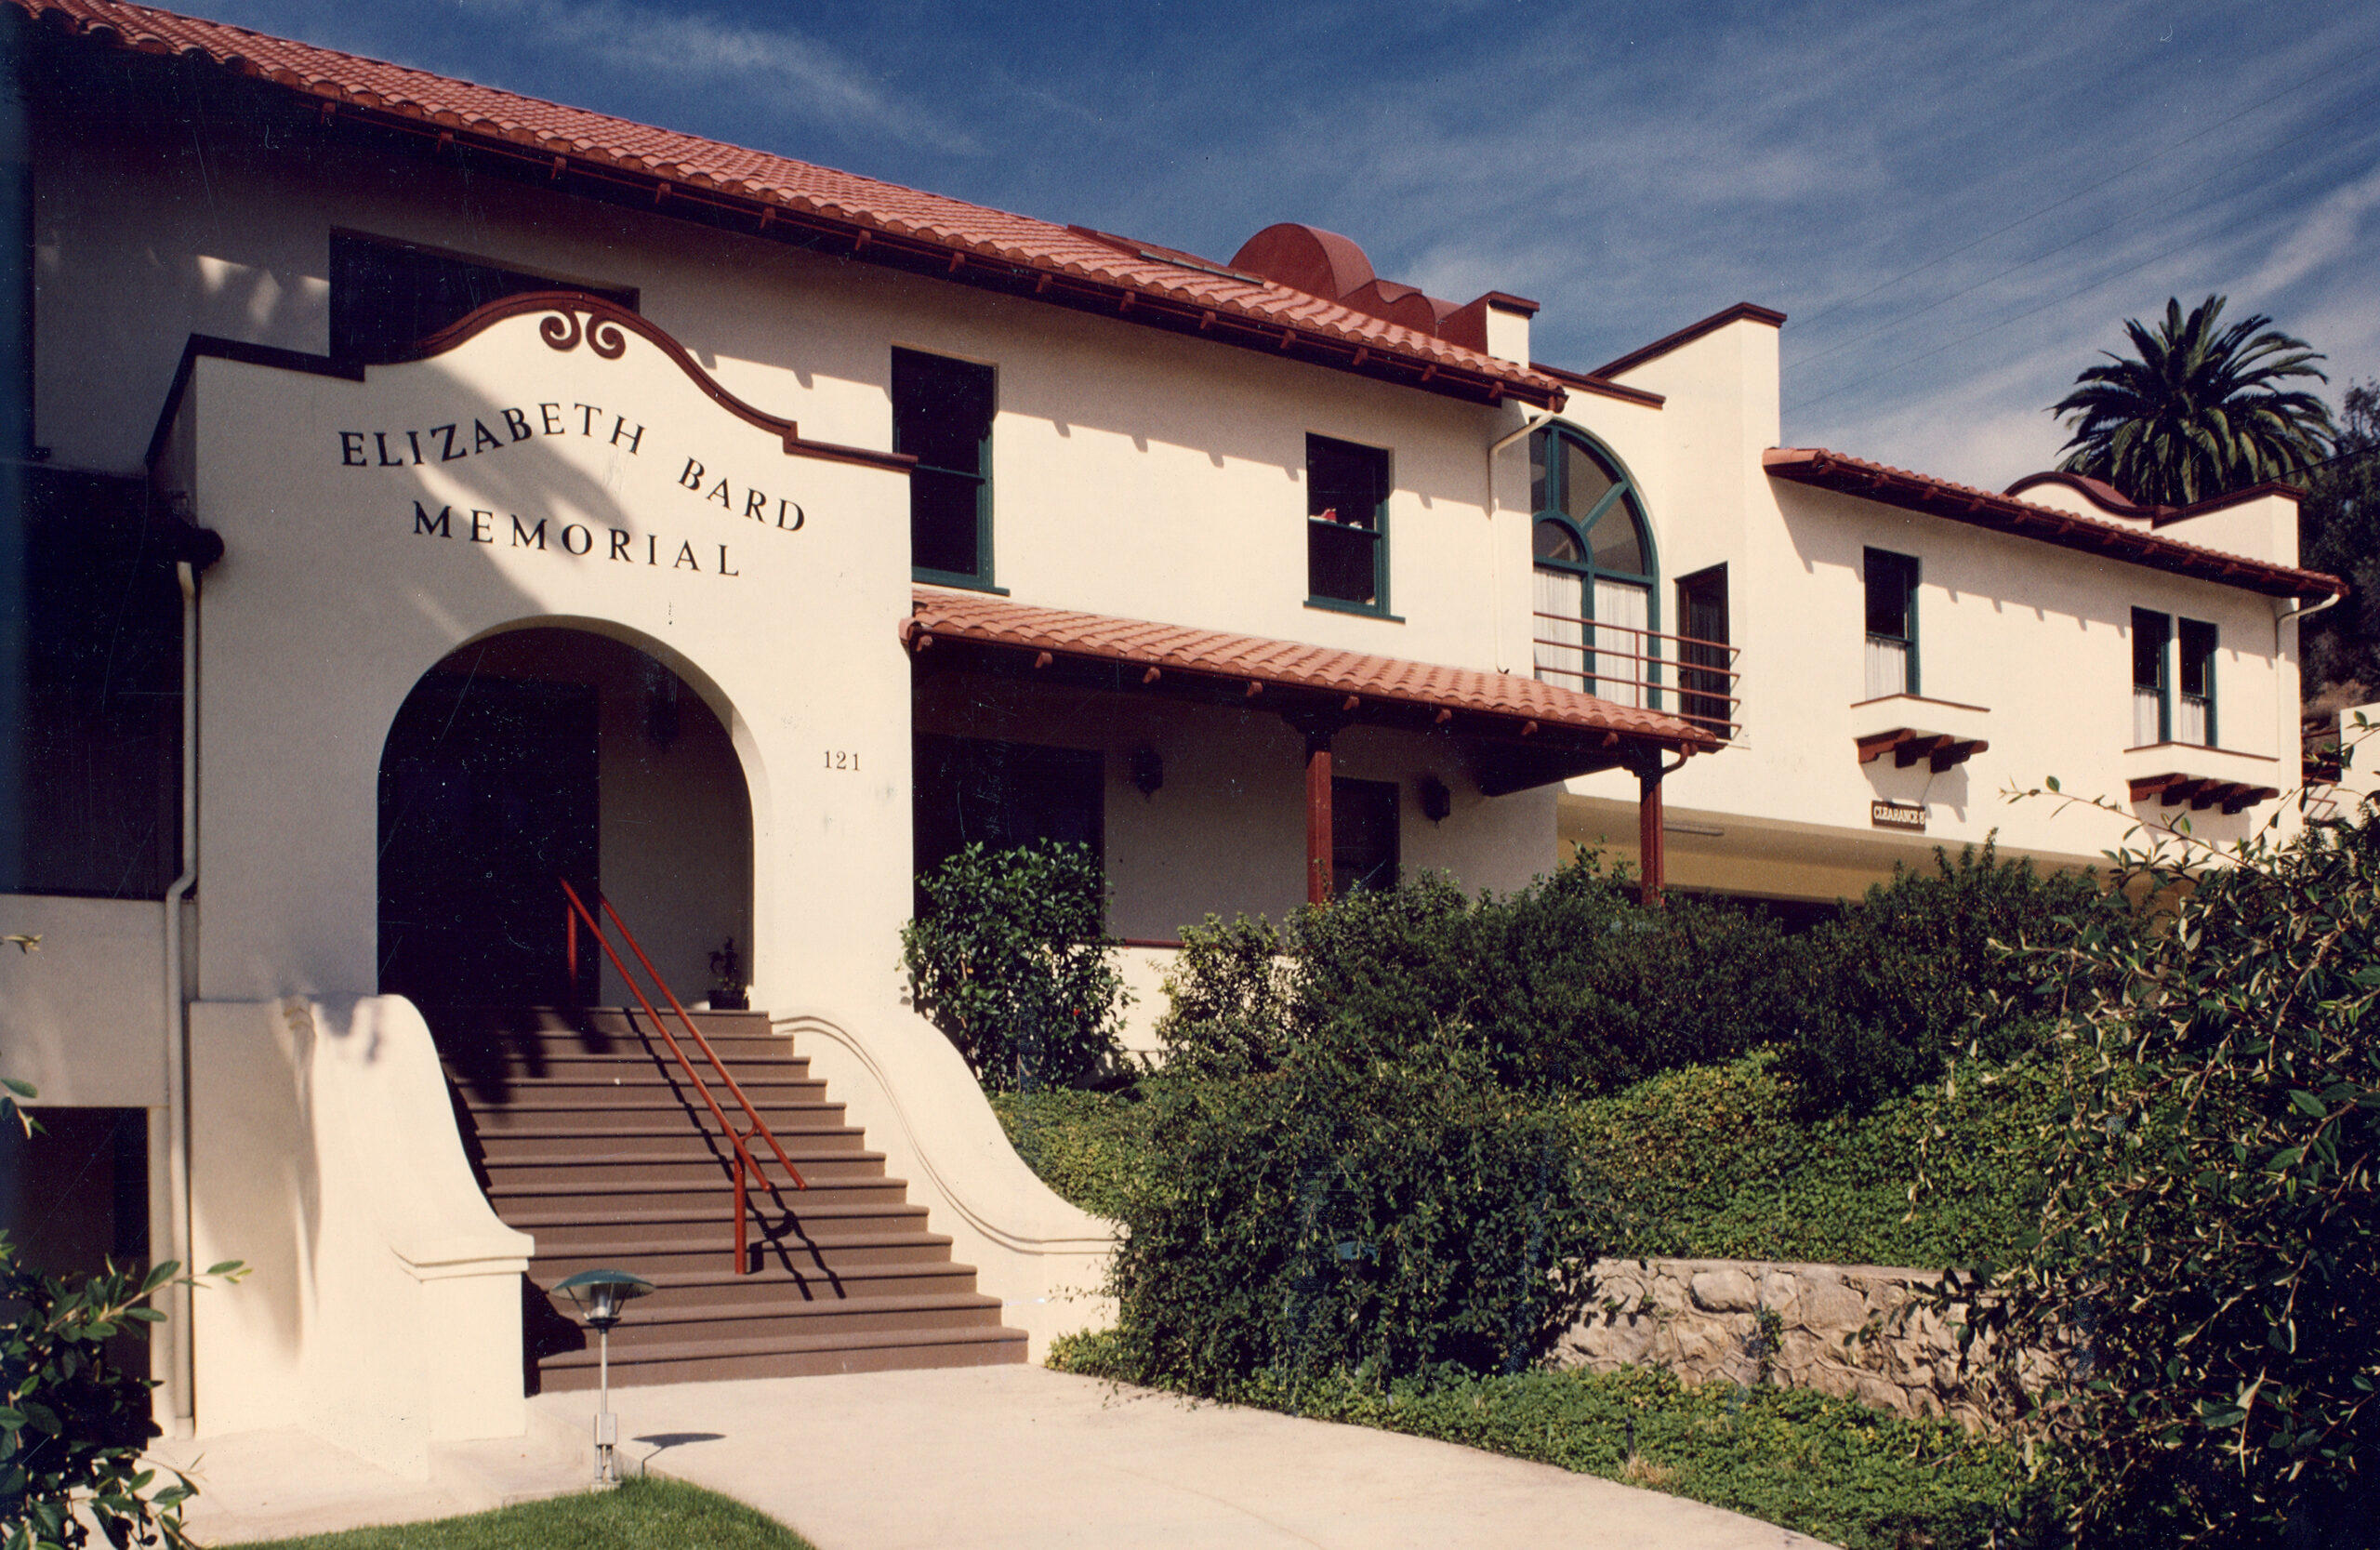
[[661, 1140], [804, 1247], [649, 1169], [789, 1357]]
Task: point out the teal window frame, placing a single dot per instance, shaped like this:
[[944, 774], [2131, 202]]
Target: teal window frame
[[1882, 565], [907, 424], [1547, 497], [1377, 607]]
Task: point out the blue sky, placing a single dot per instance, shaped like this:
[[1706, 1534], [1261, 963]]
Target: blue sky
[[1957, 203]]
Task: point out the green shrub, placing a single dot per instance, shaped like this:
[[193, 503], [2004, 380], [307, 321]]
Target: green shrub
[[73, 1421], [1350, 1213], [1567, 986], [1014, 963], [1923, 970], [1829, 1467], [1726, 1163], [2212, 1231]]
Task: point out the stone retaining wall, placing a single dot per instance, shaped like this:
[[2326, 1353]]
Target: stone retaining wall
[[1860, 1331]]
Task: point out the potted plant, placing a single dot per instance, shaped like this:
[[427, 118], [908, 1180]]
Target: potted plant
[[728, 990]]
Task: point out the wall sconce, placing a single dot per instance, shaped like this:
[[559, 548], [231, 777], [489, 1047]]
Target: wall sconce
[[1148, 770], [1436, 801]]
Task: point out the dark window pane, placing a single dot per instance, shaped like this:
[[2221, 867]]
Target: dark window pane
[[1556, 541], [1537, 471], [1342, 562], [944, 523], [942, 410], [1585, 480], [1619, 542], [386, 298], [1363, 835], [2198, 659], [1702, 617], [2148, 636], [1889, 580], [1343, 478]]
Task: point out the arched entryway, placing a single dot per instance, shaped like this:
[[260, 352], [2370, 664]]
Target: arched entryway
[[542, 753]]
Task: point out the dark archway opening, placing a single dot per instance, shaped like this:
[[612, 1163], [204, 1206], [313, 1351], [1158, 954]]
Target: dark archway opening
[[546, 753]]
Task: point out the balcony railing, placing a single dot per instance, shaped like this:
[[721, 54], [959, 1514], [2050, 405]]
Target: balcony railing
[[1690, 679]]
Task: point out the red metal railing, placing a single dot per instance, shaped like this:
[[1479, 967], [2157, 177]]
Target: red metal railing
[[1626, 665], [747, 1172]]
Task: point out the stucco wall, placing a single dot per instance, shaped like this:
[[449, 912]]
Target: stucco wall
[[82, 1016]]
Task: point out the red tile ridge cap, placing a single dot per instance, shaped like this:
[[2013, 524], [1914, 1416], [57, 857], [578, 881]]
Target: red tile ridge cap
[[1740, 311], [823, 193], [1813, 465], [971, 616]]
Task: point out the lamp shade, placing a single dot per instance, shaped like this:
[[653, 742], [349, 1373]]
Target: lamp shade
[[602, 1295]]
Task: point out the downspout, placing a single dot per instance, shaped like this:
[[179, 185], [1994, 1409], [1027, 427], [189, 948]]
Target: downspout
[[1495, 550], [179, 1381]]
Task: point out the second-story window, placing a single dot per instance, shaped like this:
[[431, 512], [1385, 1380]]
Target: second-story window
[[1346, 528], [2152, 705], [1592, 587], [2194, 706], [942, 416], [1892, 623]]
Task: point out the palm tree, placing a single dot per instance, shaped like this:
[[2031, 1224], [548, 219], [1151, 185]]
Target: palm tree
[[2197, 415]]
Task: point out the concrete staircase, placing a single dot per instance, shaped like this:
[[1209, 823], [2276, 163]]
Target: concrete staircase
[[586, 1134]]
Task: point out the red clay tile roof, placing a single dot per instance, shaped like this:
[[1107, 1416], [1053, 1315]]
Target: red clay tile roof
[[1139, 283], [1939, 497], [1384, 680]]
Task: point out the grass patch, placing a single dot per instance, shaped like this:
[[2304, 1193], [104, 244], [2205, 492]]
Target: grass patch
[[651, 1514], [1829, 1467]]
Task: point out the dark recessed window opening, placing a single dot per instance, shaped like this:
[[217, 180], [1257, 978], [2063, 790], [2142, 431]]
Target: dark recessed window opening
[[1892, 623], [1346, 509], [2152, 700], [388, 296], [1702, 653], [2194, 706], [96, 717], [1363, 836], [942, 416]]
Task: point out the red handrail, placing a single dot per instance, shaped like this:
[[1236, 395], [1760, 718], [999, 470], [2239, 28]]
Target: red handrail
[[743, 1164]]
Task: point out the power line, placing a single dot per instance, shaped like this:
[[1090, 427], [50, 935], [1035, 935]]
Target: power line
[[2126, 172]]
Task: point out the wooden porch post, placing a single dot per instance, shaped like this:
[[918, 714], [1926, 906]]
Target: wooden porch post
[[1318, 816], [1652, 864]]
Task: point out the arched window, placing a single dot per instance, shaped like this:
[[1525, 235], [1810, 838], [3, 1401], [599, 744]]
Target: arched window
[[1594, 595]]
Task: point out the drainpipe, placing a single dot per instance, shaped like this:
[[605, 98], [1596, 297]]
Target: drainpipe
[[180, 1386], [1495, 551]]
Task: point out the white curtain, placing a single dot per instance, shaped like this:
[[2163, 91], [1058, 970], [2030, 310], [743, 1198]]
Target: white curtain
[[2190, 720], [1623, 611], [1887, 668], [2144, 708], [1561, 639]]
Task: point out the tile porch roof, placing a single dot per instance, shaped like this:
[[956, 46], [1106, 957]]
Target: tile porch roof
[[1962, 503], [864, 218], [1509, 701]]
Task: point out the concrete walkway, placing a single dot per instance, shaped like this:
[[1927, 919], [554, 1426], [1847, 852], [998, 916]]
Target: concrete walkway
[[999, 1457], [986, 1459]]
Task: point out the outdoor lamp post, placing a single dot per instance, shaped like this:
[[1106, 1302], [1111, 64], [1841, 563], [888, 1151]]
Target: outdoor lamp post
[[601, 1297]]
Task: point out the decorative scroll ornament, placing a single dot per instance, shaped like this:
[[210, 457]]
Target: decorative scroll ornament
[[603, 337]]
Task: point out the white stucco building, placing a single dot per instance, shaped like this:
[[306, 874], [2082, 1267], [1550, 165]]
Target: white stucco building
[[433, 495]]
